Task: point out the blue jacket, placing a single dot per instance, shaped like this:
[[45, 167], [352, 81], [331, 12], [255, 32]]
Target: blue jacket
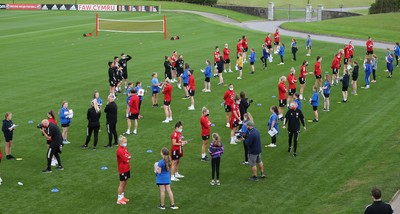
[[137, 90], [216, 151], [265, 53], [185, 76], [64, 117], [368, 68], [282, 50], [208, 72], [314, 99], [308, 42], [164, 177], [253, 141], [298, 104], [327, 87], [273, 117], [252, 57], [397, 50], [389, 63]]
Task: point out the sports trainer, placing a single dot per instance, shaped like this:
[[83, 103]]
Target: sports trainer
[[378, 206], [111, 120], [54, 139], [293, 118], [253, 143]]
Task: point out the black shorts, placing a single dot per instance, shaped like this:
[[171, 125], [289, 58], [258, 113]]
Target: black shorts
[[269, 46], [354, 78], [282, 103], [125, 74], [133, 116], [351, 56], [345, 88], [240, 68], [370, 52], [227, 108], [314, 108], [65, 125], [125, 176], [191, 93], [302, 80], [185, 84], [335, 70], [155, 92], [8, 138], [167, 103], [227, 61], [276, 43], [326, 95], [205, 137], [318, 77], [112, 83], [220, 71], [175, 155], [346, 61], [251, 63], [179, 73], [207, 79], [168, 75], [245, 49], [292, 91]]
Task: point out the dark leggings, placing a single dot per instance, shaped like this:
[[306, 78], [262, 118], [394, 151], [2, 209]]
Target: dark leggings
[[296, 137], [373, 74], [112, 130], [397, 60], [50, 152], [246, 152], [215, 162], [294, 54], [89, 132], [264, 61], [281, 58], [273, 138]]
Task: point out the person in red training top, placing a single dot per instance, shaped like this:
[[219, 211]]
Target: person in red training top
[[227, 59], [228, 102], [174, 58], [133, 112], [245, 47], [317, 73], [292, 84], [277, 40], [370, 46], [302, 78], [205, 132], [217, 55], [167, 91], [268, 43], [235, 120], [346, 56], [124, 169], [177, 151], [335, 69], [192, 89], [239, 49], [351, 52], [282, 95]]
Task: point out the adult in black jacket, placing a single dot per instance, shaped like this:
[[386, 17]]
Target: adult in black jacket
[[111, 120], [244, 104], [54, 140], [93, 116], [123, 62], [168, 67], [293, 118], [112, 77], [378, 206]]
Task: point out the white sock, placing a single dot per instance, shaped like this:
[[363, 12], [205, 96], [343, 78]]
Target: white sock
[[203, 155], [120, 197], [128, 131], [280, 116]]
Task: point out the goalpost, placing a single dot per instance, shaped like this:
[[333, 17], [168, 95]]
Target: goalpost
[[131, 26]]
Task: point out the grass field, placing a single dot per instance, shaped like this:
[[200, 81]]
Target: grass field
[[352, 148], [358, 27], [314, 3]]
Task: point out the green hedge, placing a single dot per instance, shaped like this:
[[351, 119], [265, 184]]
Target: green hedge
[[384, 6], [201, 2]]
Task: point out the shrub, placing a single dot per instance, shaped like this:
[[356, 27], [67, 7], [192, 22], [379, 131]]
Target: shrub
[[384, 6]]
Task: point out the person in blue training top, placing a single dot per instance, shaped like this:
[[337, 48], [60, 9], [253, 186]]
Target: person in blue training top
[[273, 123], [155, 89], [65, 120], [140, 92], [368, 71], [282, 53], [208, 74], [345, 85], [397, 53], [246, 118], [314, 100], [308, 45], [326, 90], [252, 59], [163, 178], [298, 101], [294, 48], [185, 80], [216, 150], [96, 96], [265, 56], [389, 64]]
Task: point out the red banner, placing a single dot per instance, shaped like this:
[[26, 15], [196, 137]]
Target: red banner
[[23, 6]]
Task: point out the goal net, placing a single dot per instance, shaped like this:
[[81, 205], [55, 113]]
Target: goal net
[[131, 26]]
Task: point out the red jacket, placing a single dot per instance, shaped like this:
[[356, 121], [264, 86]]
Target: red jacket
[[317, 68], [228, 97], [226, 53], [192, 83], [123, 157], [205, 125], [277, 38], [336, 62], [303, 71], [134, 104], [167, 92], [282, 90], [268, 41], [370, 45], [177, 137], [292, 81]]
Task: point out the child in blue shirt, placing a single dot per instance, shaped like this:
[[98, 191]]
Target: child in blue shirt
[[397, 53], [185, 80], [314, 102], [389, 65], [140, 92], [252, 59], [155, 89], [163, 178], [216, 150], [208, 74], [281, 53], [265, 56], [273, 123], [298, 101], [326, 90]]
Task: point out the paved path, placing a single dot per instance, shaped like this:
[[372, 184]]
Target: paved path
[[270, 26]]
